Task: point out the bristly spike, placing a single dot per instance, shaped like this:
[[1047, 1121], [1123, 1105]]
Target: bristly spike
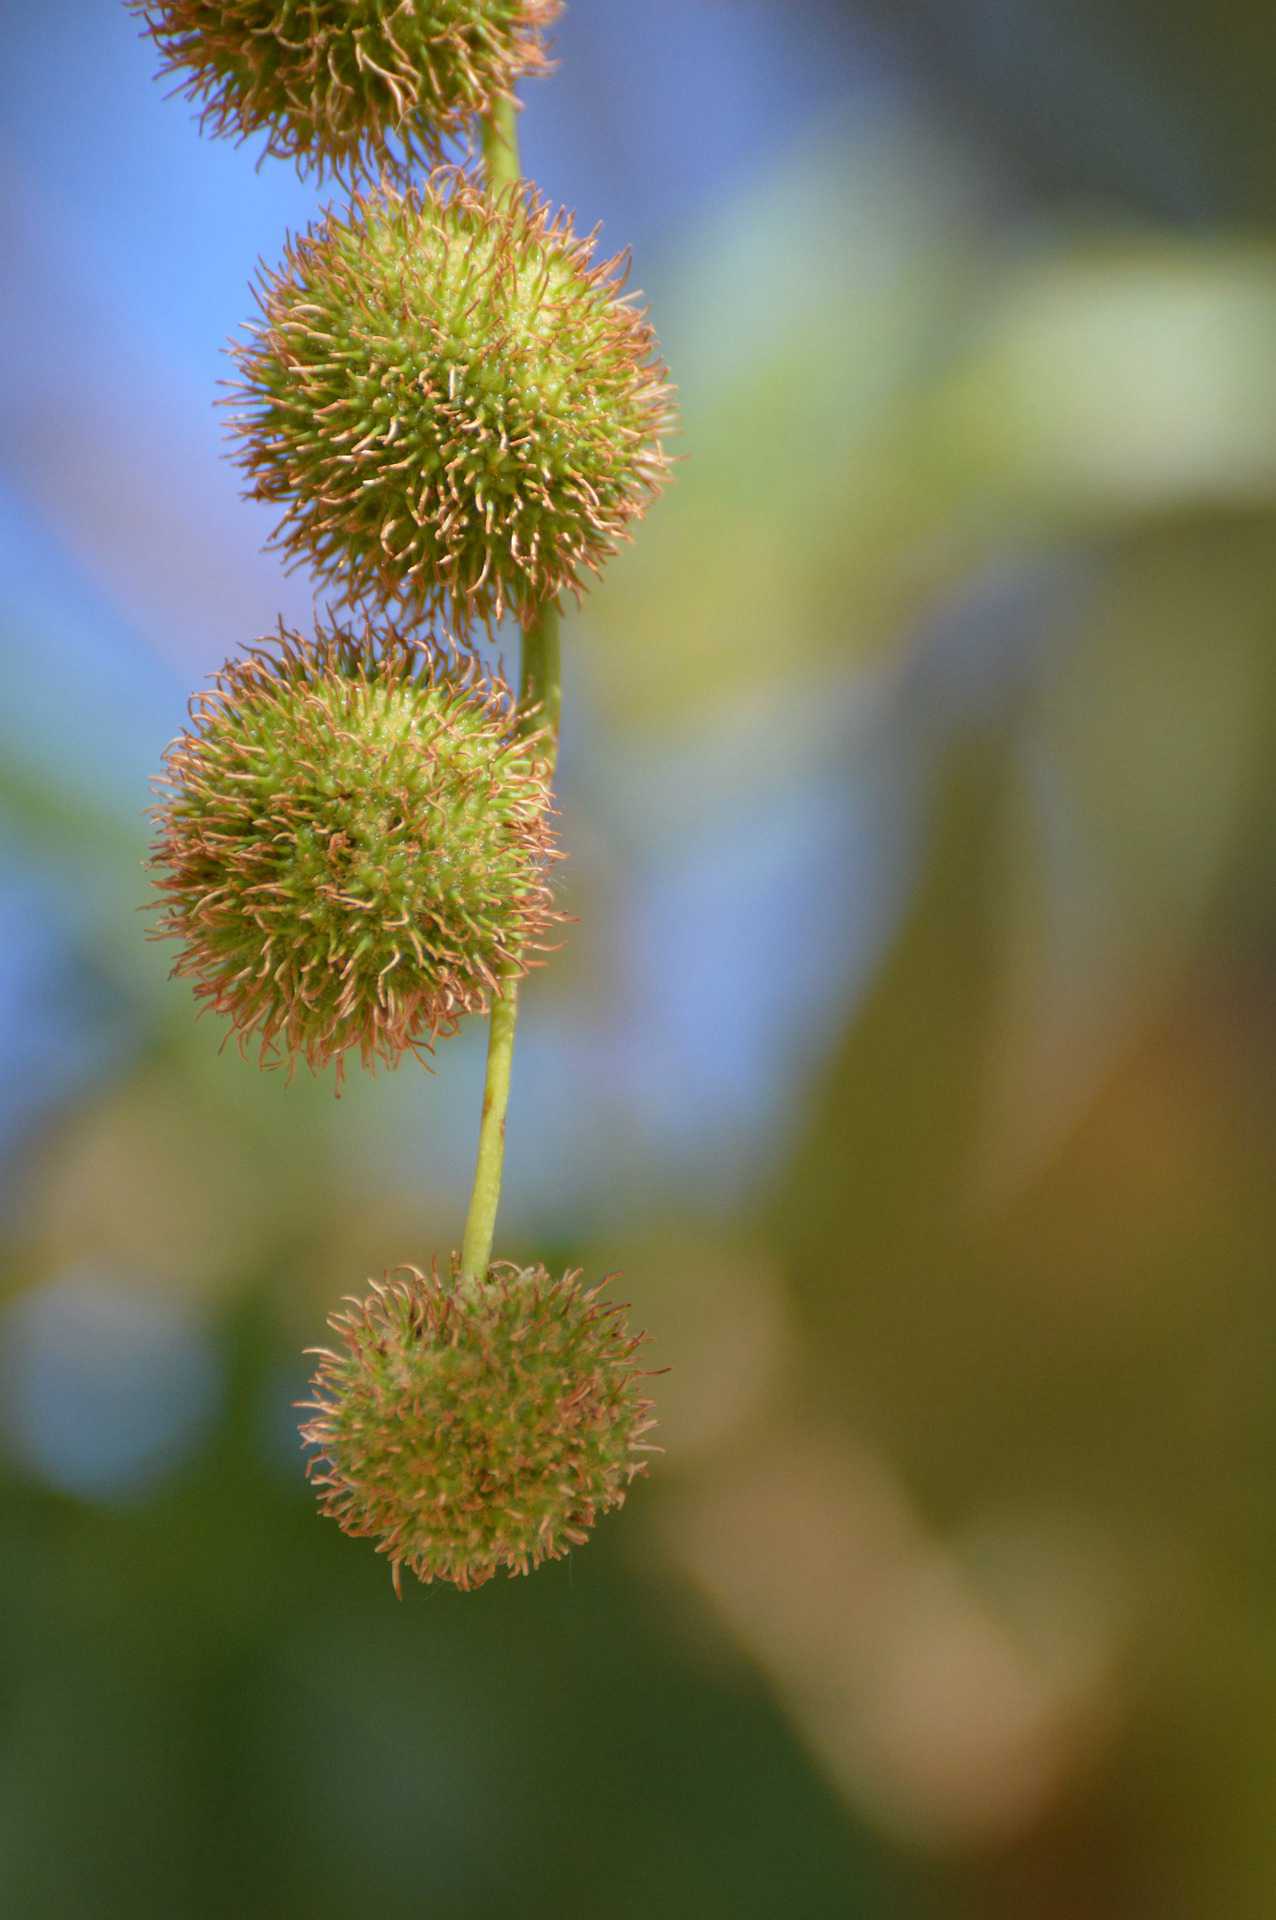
[[489, 429], [354, 842], [475, 1427], [362, 89]]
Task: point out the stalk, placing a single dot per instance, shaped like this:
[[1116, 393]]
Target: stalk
[[540, 705], [500, 145]]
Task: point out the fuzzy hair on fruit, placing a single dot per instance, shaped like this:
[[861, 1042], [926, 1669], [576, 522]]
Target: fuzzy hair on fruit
[[353, 844], [456, 407], [357, 88], [474, 1427]]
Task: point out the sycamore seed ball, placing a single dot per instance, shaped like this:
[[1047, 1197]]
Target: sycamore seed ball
[[470, 1427], [357, 87], [353, 842], [453, 404]]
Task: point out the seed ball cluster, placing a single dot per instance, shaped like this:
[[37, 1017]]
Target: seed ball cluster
[[455, 406], [358, 87], [353, 843], [470, 1427]]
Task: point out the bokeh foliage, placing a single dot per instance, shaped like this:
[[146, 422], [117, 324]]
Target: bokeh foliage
[[913, 1058]]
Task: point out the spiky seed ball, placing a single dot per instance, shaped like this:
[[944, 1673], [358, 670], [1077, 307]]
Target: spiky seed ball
[[356, 87], [353, 844], [454, 405], [469, 1426]]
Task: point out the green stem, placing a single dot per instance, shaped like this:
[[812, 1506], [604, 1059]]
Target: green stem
[[540, 701], [540, 694], [540, 704], [480, 1222], [500, 145]]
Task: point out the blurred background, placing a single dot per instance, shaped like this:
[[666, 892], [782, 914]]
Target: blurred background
[[913, 1059]]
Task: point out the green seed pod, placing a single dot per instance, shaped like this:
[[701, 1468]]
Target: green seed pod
[[456, 408], [356, 87], [470, 1426], [353, 844]]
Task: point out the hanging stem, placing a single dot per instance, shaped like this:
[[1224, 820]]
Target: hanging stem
[[539, 704], [539, 700], [500, 144], [540, 693], [480, 1222]]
